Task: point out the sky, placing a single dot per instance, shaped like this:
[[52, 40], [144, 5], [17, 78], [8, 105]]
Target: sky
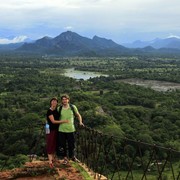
[[123, 21]]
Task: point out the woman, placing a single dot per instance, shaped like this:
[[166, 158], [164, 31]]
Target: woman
[[51, 138]]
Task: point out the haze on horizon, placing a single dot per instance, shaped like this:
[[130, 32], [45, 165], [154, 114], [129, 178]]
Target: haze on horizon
[[120, 20]]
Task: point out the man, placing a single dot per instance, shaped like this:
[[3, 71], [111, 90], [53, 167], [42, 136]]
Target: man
[[66, 130]]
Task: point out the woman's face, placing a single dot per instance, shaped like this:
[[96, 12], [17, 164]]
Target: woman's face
[[54, 103]]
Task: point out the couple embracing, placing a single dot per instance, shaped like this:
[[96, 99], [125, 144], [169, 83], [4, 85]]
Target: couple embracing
[[61, 123]]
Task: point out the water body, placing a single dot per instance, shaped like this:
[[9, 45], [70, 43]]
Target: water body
[[76, 74], [153, 84]]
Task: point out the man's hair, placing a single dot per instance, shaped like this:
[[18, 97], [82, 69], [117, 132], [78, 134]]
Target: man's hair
[[54, 98], [65, 96]]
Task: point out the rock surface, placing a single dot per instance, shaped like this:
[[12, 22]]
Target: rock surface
[[40, 170]]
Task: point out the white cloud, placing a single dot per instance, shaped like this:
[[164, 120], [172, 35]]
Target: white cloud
[[113, 18], [70, 28], [173, 36], [14, 40]]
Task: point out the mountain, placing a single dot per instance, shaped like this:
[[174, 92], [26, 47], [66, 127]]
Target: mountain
[[11, 46], [70, 43], [167, 43], [172, 43], [15, 42]]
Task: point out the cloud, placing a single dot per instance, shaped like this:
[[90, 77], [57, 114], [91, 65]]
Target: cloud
[[17, 39], [70, 28], [173, 36], [118, 19]]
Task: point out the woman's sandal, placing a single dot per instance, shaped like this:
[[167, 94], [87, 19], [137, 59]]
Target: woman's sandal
[[51, 165]]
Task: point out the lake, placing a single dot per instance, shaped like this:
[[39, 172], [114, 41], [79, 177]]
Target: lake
[[76, 74], [153, 84]]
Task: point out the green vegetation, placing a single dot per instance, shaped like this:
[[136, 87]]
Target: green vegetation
[[116, 108], [137, 174], [82, 171]]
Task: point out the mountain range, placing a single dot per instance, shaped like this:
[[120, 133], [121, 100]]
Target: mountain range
[[72, 44], [171, 42]]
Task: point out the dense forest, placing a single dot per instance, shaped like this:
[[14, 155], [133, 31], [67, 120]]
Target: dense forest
[[105, 103]]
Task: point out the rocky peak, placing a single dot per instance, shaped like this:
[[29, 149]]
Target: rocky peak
[[67, 36]]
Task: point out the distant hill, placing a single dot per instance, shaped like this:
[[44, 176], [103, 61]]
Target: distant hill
[[71, 43], [12, 46], [172, 43], [14, 42]]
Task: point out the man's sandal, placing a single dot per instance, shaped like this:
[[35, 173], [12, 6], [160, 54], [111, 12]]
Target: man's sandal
[[65, 161]]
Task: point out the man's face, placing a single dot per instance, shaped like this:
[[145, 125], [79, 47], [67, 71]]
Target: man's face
[[65, 101]]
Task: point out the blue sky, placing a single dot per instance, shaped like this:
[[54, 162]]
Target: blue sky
[[120, 20]]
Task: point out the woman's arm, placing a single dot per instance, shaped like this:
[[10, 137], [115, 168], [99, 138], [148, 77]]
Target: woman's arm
[[51, 117]]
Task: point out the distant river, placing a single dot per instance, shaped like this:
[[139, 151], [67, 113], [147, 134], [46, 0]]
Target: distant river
[[76, 74]]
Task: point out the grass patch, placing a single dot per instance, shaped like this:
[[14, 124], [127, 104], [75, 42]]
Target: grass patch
[[82, 171]]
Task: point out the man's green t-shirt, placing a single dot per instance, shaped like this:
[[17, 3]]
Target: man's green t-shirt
[[67, 114]]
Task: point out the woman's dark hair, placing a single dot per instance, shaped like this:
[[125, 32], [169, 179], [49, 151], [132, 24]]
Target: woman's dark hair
[[54, 98]]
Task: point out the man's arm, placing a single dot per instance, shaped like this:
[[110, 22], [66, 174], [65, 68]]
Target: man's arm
[[51, 117], [79, 118]]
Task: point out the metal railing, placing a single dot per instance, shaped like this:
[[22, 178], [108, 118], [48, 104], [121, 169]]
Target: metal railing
[[125, 158]]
